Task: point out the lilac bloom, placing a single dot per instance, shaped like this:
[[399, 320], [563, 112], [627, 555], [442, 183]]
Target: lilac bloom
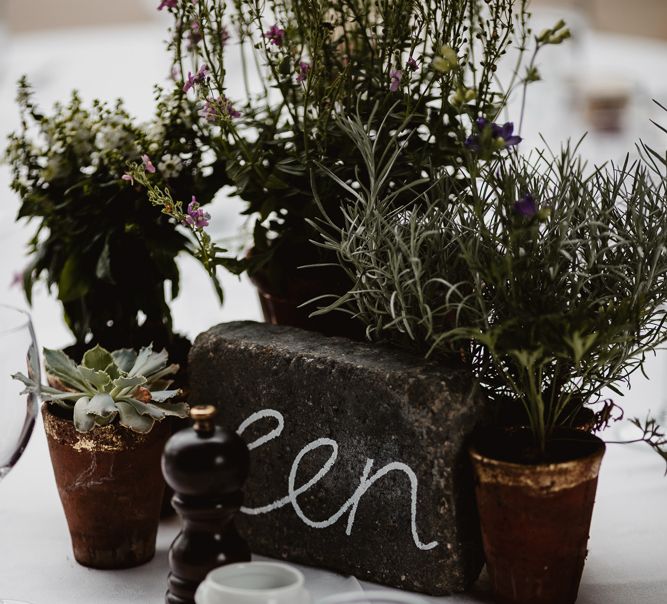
[[194, 35], [202, 73], [304, 69], [396, 75], [526, 206], [506, 133], [148, 164], [196, 217], [412, 64], [224, 35], [220, 107], [128, 178], [190, 82], [167, 4], [275, 35], [197, 78]]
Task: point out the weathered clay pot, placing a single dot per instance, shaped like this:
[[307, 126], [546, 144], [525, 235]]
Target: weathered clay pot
[[110, 484], [282, 304], [286, 309], [536, 517]]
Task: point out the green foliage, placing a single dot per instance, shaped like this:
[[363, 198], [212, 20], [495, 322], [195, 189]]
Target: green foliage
[[122, 386], [653, 435], [108, 253], [549, 302], [330, 58]]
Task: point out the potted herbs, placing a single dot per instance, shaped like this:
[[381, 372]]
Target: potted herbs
[[105, 428], [567, 296], [426, 68], [547, 279], [110, 256]]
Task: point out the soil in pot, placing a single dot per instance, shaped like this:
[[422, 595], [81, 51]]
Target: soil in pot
[[111, 487], [535, 512]]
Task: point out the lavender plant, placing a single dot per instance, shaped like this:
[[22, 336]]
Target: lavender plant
[[428, 68], [549, 279], [108, 253]]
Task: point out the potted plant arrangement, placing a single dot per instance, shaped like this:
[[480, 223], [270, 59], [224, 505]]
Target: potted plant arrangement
[[110, 256], [105, 431], [427, 68], [547, 279]]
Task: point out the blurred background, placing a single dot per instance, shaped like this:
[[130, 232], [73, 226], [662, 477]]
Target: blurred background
[[639, 17]]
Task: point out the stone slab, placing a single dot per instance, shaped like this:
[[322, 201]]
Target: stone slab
[[358, 453]]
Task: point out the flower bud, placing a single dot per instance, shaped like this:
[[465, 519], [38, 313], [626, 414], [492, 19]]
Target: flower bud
[[544, 214], [545, 34], [564, 35], [446, 60]]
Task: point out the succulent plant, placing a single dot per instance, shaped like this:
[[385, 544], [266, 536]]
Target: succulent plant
[[125, 386]]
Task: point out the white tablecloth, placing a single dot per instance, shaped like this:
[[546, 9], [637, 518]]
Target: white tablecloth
[[628, 546]]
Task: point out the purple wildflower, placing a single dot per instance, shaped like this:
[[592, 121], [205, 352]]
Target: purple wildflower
[[412, 64], [275, 35], [167, 4], [481, 123], [526, 206], [220, 107], [395, 75], [194, 35], [196, 217], [128, 177], [197, 78], [304, 69], [224, 35], [190, 82], [506, 133], [148, 164]]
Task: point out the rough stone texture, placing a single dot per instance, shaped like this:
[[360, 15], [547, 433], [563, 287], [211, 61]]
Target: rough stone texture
[[377, 404]]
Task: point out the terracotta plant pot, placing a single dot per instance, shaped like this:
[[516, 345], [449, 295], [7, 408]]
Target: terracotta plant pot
[[536, 517], [284, 308], [111, 485]]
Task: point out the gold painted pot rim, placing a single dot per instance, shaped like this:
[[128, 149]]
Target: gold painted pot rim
[[541, 478]]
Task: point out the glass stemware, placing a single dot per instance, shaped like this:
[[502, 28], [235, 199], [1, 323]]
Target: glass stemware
[[18, 409], [18, 353]]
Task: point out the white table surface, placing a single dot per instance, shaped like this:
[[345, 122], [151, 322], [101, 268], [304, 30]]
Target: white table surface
[[627, 562]]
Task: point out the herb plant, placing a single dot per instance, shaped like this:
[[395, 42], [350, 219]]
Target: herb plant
[[428, 69], [109, 254], [548, 278], [123, 386]]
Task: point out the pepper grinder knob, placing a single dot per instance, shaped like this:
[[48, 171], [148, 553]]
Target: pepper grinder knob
[[203, 416], [206, 465]]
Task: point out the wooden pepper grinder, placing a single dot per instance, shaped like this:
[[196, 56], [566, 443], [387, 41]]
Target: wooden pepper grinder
[[206, 466]]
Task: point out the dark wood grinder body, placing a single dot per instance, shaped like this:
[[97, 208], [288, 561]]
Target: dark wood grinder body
[[206, 466]]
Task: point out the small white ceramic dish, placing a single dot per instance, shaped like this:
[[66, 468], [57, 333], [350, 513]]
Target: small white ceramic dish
[[253, 583]]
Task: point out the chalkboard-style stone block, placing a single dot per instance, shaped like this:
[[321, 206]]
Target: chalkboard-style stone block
[[358, 453]]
